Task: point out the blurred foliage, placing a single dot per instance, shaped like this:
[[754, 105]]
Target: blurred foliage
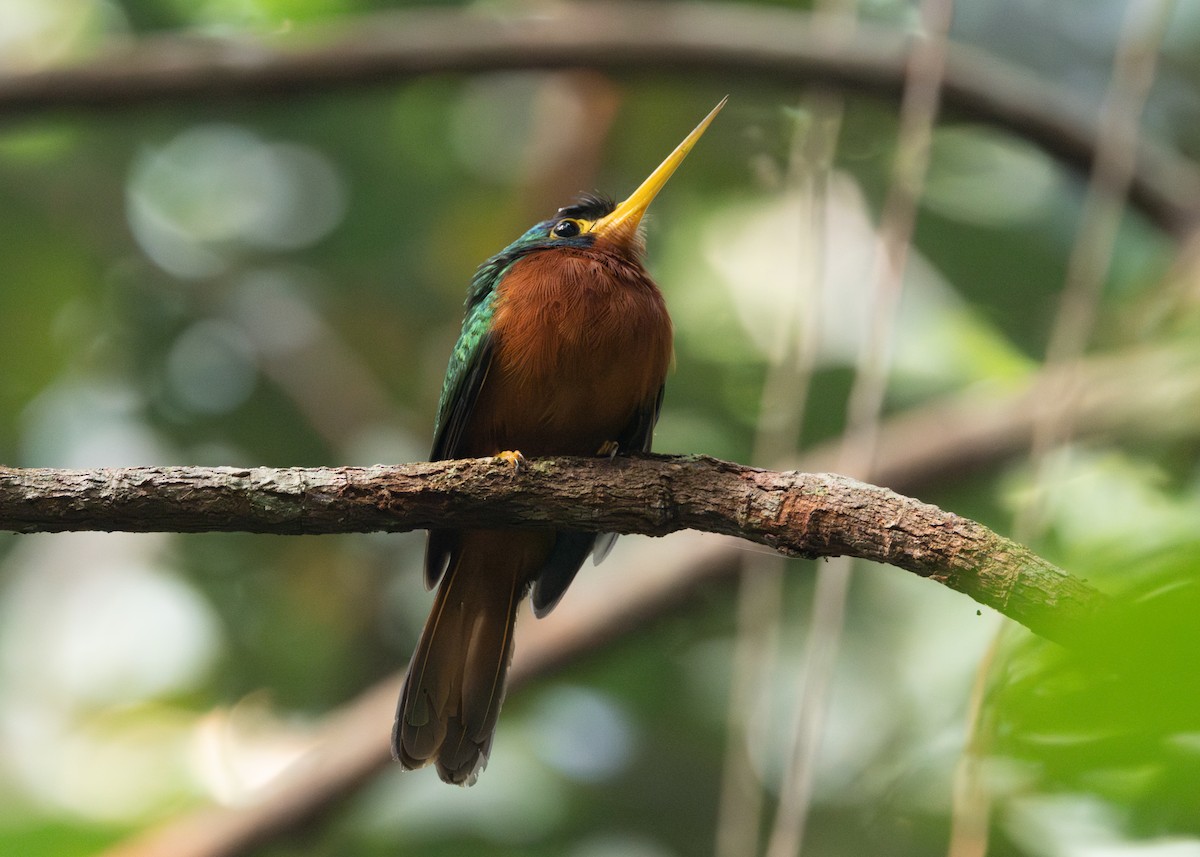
[[278, 282]]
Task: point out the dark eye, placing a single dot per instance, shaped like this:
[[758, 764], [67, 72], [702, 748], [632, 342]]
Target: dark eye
[[566, 229]]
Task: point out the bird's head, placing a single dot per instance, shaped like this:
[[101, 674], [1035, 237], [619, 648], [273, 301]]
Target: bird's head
[[596, 221]]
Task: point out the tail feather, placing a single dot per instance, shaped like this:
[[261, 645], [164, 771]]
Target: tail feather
[[456, 680], [486, 666], [462, 759]]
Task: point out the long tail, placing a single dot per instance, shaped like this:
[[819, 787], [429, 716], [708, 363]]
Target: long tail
[[451, 697]]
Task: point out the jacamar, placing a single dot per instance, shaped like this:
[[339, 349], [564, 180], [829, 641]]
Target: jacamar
[[564, 350]]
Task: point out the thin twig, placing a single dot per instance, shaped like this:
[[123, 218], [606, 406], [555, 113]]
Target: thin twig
[[1110, 182], [782, 406], [1091, 257], [724, 41], [860, 443]]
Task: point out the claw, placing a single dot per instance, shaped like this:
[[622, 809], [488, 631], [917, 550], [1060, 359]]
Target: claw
[[608, 449], [513, 458]]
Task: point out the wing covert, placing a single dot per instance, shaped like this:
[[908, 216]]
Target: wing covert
[[470, 363]]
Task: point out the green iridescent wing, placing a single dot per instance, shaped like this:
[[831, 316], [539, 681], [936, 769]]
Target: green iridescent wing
[[470, 362], [472, 354], [469, 366]]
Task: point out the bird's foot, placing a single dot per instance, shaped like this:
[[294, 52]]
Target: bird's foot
[[608, 449], [513, 458]]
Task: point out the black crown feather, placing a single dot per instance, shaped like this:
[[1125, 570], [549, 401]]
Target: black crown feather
[[588, 206]]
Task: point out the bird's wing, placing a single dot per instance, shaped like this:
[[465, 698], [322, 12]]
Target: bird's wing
[[469, 367], [572, 548], [470, 363], [470, 360], [639, 434], [637, 437]]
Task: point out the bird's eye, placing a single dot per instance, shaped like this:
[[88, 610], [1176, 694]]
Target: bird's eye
[[566, 229]]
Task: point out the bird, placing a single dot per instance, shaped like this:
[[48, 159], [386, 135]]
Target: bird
[[565, 347]]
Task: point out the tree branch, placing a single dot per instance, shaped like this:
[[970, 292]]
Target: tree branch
[[734, 43], [962, 432], [798, 514]]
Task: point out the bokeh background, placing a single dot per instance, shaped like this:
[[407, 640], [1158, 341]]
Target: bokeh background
[[277, 280]]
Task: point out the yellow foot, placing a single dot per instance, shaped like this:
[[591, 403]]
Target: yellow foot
[[513, 457], [608, 449]]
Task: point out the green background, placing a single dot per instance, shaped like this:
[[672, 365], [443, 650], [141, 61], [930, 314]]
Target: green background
[[278, 281]]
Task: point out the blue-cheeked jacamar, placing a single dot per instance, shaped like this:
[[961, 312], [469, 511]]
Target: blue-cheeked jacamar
[[564, 350]]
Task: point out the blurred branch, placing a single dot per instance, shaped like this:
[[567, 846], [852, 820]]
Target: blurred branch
[[918, 114], [352, 744], [1092, 255], [731, 44], [1142, 395], [783, 402], [1143, 31], [797, 514]]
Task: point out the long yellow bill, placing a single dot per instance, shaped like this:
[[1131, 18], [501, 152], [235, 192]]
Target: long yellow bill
[[623, 222]]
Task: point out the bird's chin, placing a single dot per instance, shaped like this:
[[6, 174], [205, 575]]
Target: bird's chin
[[630, 243]]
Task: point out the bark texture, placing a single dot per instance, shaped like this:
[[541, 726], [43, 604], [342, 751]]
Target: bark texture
[[798, 514]]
